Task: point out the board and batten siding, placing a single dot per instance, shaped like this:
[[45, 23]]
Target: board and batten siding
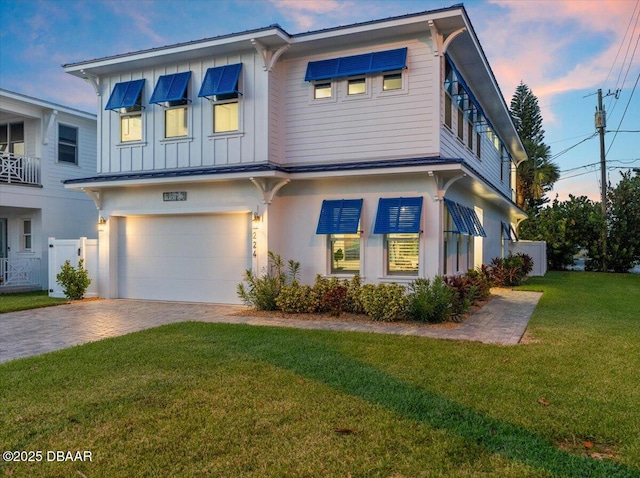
[[201, 148], [376, 125]]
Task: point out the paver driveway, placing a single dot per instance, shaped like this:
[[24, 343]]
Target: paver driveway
[[31, 332]]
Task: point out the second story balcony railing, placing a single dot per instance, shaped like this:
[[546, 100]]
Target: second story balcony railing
[[16, 169]]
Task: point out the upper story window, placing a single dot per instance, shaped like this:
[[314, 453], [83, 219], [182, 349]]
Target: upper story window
[[356, 86], [67, 144], [171, 93], [221, 85], [357, 68], [392, 81], [126, 99], [322, 90], [12, 138]]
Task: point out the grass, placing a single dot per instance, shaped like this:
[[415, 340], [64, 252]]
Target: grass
[[197, 399], [27, 300]]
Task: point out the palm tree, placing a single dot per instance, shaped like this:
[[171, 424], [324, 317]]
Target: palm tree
[[535, 176]]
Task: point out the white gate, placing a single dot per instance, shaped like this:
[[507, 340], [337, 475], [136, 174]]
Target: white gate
[[72, 250]]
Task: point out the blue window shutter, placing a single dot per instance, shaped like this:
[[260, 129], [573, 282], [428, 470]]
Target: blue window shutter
[[171, 88], [389, 60], [321, 70], [398, 215], [467, 216], [476, 221], [125, 95], [221, 81], [357, 65], [354, 65], [340, 216], [506, 232], [454, 210]]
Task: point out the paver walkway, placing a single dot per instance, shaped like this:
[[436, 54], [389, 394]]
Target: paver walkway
[[31, 332]]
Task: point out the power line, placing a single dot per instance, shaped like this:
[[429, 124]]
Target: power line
[[625, 109]]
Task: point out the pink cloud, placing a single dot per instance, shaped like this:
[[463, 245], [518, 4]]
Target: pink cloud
[[544, 44], [306, 13]]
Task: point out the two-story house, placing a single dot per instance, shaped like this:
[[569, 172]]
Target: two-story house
[[382, 148], [41, 144]]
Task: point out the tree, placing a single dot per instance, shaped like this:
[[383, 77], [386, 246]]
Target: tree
[[536, 175], [567, 227], [623, 226]]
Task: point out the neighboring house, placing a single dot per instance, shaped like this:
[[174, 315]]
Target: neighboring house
[[383, 148], [41, 144]]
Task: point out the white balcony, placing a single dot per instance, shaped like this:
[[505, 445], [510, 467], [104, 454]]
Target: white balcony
[[16, 169]]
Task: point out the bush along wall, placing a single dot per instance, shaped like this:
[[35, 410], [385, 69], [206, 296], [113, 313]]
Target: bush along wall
[[434, 300]]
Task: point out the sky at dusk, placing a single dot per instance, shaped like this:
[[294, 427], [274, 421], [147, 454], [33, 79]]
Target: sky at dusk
[[564, 50]]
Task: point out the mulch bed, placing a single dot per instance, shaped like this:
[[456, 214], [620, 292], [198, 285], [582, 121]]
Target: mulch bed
[[360, 318]]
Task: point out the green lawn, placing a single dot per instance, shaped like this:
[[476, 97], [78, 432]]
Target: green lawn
[[196, 399], [27, 300]]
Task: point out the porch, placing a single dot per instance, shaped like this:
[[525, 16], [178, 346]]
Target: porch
[[15, 169], [17, 275]]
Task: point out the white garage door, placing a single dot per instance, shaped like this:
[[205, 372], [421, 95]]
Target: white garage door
[[183, 258]]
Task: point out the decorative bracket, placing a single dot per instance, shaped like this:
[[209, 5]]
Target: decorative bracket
[[269, 58], [269, 189], [436, 38], [95, 195], [93, 80], [452, 37], [49, 119], [443, 186]]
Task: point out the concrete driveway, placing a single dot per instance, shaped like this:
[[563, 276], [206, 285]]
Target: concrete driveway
[[32, 332]]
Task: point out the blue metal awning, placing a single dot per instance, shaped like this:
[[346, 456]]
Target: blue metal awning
[[398, 215], [340, 216], [388, 60], [465, 219], [221, 82], [509, 233], [125, 95], [171, 88]]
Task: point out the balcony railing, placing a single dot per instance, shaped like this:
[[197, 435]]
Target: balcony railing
[[16, 169], [19, 272]]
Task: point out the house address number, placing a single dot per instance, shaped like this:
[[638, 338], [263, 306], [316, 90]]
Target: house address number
[[175, 196]]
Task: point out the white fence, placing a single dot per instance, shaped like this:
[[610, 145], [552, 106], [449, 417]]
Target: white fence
[[61, 250], [537, 250]]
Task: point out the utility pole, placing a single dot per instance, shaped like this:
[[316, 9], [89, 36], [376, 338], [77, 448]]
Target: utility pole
[[601, 124]]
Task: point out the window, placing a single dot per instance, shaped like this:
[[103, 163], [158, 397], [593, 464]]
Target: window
[[470, 136], [447, 110], [356, 86], [392, 81], [12, 138], [221, 85], [175, 122], [402, 254], [26, 237], [340, 220], [171, 93], [478, 143], [67, 144], [399, 220], [460, 124], [130, 127], [126, 98], [345, 253], [226, 117], [322, 90]]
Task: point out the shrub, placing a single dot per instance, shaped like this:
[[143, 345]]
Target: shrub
[[463, 294], [429, 301], [353, 303], [74, 281], [262, 291], [297, 299], [509, 271], [385, 302], [334, 300], [482, 284]]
